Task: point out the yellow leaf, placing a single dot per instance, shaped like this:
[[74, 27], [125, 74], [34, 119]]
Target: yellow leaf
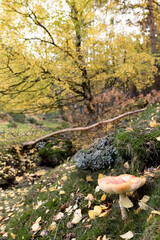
[[64, 178], [126, 203], [153, 123], [156, 212], [13, 236], [62, 192], [51, 189], [92, 214], [89, 178], [103, 198], [127, 235], [100, 175], [150, 216], [53, 226], [137, 211], [99, 238], [97, 210], [38, 220], [104, 214]]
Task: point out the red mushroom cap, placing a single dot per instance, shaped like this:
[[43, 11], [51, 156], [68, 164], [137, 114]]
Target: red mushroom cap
[[121, 184]]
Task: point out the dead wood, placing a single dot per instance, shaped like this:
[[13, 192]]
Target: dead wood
[[32, 143]]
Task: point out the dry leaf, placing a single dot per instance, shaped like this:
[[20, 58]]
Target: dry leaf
[[62, 192], [150, 216], [126, 202], [89, 197], [158, 138], [127, 235], [53, 226], [153, 123], [100, 175], [97, 210], [97, 189], [103, 198], [89, 178], [126, 165], [156, 212], [64, 178], [38, 220], [145, 198], [13, 236], [142, 202], [60, 215], [92, 214], [137, 211], [104, 214], [36, 227], [99, 238], [77, 216], [51, 189]]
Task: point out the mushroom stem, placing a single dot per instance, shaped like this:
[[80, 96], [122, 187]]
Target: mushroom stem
[[123, 210]]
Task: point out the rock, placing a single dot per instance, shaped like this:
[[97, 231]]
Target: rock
[[98, 156], [54, 152]]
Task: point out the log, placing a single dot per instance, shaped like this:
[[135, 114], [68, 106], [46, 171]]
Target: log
[[31, 143]]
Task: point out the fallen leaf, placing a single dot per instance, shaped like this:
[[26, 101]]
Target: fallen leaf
[[126, 165], [77, 216], [145, 198], [150, 216], [62, 192], [60, 215], [97, 210], [137, 211], [103, 198], [99, 238], [153, 123], [97, 189], [104, 214], [126, 203], [89, 197], [89, 178], [92, 214], [127, 235], [156, 212], [13, 236], [142, 202], [100, 175], [38, 220], [36, 227], [158, 138], [51, 189], [64, 178], [53, 226]]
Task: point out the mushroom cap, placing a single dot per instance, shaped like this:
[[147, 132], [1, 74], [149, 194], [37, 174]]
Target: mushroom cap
[[121, 184]]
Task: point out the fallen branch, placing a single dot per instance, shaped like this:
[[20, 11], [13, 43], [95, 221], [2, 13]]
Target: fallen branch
[[31, 143]]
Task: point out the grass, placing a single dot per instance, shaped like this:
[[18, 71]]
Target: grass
[[25, 132], [66, 186], [40, 200]]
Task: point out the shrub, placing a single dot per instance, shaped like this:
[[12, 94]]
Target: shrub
[[18, 117]]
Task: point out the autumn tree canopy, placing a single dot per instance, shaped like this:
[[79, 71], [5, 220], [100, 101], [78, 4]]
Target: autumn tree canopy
[[55, 53]]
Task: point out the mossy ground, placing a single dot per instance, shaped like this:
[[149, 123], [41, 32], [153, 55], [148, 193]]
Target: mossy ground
[[41, 200]]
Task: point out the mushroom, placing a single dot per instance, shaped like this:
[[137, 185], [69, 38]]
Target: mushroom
[[121, 185]]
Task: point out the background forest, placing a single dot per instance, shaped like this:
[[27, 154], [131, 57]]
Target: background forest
[[70, 55]]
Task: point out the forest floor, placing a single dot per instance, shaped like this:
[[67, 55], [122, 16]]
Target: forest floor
[[59, 203]]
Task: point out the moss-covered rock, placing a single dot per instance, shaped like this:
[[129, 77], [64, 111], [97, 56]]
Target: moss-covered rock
[[98, 156]]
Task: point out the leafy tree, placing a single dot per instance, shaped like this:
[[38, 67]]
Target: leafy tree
[[58, 53]]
